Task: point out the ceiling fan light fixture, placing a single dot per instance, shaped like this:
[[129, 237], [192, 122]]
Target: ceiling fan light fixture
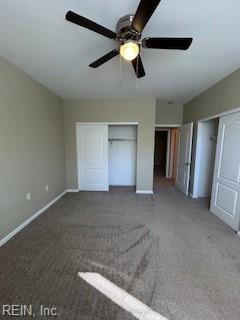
[[128, 34], [129, 50]]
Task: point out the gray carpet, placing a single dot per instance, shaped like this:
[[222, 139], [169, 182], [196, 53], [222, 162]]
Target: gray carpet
[[166, 250]]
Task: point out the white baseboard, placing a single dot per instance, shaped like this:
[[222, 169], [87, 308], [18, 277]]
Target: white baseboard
[[144, 192], [29, 220], [72, 190]]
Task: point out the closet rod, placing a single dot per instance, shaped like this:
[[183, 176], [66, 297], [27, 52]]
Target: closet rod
[[115, 139]]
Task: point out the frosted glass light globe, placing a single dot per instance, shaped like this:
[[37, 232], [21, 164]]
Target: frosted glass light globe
[[129, 50]]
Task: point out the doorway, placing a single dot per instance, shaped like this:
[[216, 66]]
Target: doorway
[[207, 134], [160, 156], [165, 156]]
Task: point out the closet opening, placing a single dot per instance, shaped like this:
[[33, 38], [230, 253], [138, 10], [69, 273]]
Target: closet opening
[[106, 156], [122, 150], [207, 134]]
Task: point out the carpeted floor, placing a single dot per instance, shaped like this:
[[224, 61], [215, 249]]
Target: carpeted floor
[[166, 250], [163, 182]]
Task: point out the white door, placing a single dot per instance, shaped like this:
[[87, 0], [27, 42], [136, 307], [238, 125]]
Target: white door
[[92, 146], [184, 157], [225, 201]]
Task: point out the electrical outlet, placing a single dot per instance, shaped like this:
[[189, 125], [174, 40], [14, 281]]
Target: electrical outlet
[[28, 196], [46, 188]]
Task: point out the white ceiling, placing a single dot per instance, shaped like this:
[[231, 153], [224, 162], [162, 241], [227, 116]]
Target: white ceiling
[[36, 37]]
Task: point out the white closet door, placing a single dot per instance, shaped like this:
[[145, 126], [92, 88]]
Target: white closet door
[[225, 202], [184, 157], [92, 143]]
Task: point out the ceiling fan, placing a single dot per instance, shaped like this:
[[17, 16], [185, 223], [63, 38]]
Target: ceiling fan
[[128, 34]]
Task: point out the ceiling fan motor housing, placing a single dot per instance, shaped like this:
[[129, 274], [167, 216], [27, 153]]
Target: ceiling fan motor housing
[[125, 31]]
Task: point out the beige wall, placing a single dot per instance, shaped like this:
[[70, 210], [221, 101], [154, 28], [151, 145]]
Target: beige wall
[[168, 113], [223, 96], [31, 147], [120, 110]]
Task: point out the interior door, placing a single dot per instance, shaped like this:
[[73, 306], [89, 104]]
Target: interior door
[[184, 157], [225, 201], [92, 143]]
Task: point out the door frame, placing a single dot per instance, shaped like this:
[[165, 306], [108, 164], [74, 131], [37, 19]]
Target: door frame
[[95, 123], [221, 114], [196, 171]]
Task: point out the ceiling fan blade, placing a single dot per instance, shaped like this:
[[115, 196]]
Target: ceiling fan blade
[[167, 43], [144, 12], [86, 23], [105, 58], [138, 67]]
